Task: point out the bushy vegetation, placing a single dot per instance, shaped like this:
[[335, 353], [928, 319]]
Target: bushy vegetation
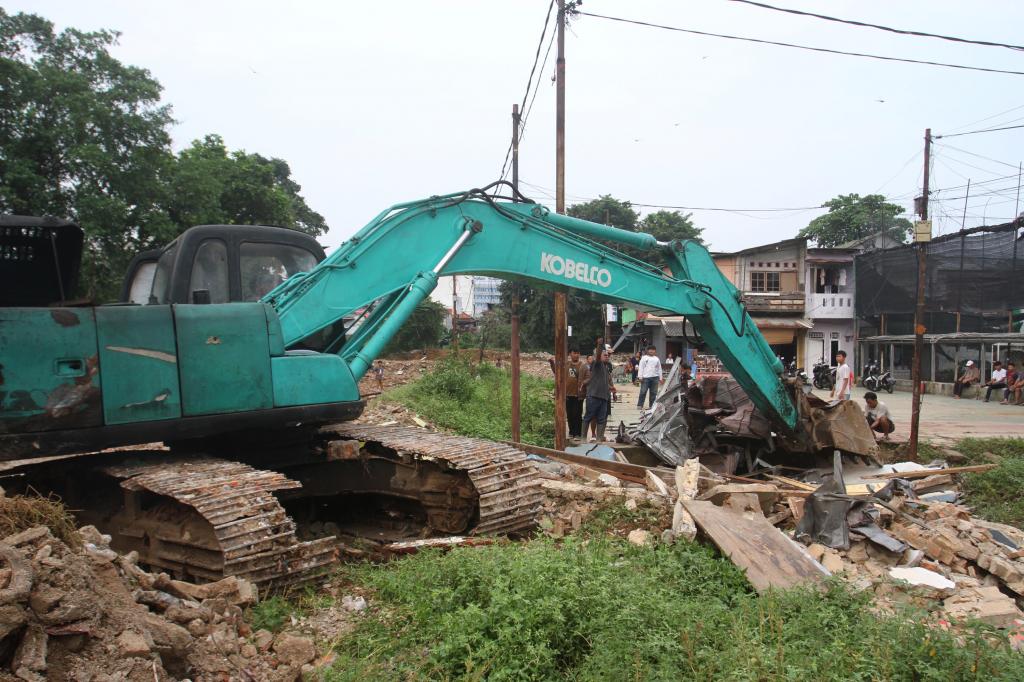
[[600, 609], [476, 400], [996, 494]]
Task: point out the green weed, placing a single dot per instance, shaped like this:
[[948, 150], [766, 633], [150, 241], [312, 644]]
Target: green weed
[[599, 609], [995, 494], [977, 449], [271, 613], [476, 400]]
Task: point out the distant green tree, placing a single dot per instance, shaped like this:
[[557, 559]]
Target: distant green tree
[[851, 217], [669, 225], [82, 136], [607, 210], [209, 184], [423, 329]]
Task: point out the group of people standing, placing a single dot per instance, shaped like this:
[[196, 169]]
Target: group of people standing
[[590, 389], [1010, 379]]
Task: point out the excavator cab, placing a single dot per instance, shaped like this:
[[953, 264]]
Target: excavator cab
[[39, 258], [219, 264]]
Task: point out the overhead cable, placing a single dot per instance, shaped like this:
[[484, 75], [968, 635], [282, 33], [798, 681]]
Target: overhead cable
[[760, 41], [864, 24]]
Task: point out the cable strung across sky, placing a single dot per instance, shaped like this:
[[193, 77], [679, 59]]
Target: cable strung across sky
[[864, 24], [777, 43]]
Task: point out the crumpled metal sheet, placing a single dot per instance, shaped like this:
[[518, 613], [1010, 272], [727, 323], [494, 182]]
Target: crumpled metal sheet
[[837, 425], [830, 515], [665, 431], [724, 399]]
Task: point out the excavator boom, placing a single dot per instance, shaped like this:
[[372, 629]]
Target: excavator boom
[[394, 262]]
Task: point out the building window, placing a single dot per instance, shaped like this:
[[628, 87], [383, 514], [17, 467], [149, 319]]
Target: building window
[[764, 282]]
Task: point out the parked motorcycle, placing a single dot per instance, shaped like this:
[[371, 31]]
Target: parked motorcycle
[[874, 379], [794, 372], [824, 375]]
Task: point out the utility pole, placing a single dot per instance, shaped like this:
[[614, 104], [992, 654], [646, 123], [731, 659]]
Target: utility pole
[[515, 287], [922, 238], [560, 297], [455, 314]]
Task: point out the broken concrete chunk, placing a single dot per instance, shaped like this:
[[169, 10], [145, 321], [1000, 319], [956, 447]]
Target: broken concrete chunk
[[832, 562], [631, 505], [688, 479], [294, 650], [26, 536], [609, 481], [655, 484], [31, 652], [922, 576], [131, 644], [683, 524], [355, 604], [639, 537]]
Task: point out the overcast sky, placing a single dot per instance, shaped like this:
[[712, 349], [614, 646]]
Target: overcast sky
[[374, 103]]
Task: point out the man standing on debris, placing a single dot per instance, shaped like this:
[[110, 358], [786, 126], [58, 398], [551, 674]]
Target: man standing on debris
[[878, 415], [599, 390], [650, 377], [844, 378], [378, 373]]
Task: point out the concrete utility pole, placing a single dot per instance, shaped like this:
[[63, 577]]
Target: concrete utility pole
[[922, 275], [515, 287], [560, 297]]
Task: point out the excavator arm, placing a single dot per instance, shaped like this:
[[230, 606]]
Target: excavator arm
[[393, 263]]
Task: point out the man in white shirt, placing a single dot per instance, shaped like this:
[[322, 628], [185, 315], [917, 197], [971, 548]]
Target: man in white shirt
[[650, 376], [844, 378], [878, 415], [998, 379]]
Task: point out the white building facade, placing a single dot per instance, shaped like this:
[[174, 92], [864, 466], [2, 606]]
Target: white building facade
[[829, 288]]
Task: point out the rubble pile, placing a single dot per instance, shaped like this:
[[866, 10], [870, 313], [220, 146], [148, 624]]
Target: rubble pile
[[87, 614], [878, 535]]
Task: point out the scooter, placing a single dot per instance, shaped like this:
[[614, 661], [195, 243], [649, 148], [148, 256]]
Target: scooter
[[824, 375], [794, 372], [875, 380]]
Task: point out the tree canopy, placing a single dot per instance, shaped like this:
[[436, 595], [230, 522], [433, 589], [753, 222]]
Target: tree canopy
[[851, 217], [85, 137]]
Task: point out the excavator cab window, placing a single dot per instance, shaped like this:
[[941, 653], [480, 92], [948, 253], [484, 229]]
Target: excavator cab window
[[162, 278], [210, 272], [264, 266]]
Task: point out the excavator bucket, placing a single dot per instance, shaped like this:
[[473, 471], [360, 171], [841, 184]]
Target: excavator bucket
[[839, 425]]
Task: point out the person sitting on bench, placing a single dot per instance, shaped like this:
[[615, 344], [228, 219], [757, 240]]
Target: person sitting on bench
[[998, 379], [970, 377]]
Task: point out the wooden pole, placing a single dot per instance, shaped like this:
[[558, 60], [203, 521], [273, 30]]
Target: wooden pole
[[560, 297], [919, 329], [516, 403]]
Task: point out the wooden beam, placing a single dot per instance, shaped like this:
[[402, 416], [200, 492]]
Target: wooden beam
[[924, 473]]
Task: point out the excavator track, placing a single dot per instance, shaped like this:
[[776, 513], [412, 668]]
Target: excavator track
[[208, 518], [506, 487]]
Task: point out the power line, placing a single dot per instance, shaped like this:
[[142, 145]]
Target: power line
[[529, 81], [802, 47], [989, 118], [536, 88], [974, 132], [964, 151], [863, 24]]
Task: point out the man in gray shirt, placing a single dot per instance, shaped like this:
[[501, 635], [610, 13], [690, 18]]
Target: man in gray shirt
[[599, 390]]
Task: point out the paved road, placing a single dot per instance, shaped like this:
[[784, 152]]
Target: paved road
[[943, 420]]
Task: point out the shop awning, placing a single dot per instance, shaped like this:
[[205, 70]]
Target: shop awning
[[781, 330]]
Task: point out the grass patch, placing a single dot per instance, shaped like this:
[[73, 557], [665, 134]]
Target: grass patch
[[599, 609], [276, 611], [476, 400], [21, 512], [995, 494]]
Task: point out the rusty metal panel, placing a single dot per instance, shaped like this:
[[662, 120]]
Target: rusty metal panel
[[139, 358], [49, 370]]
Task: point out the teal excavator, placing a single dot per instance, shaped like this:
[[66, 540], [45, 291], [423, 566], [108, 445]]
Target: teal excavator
[[206, 415]]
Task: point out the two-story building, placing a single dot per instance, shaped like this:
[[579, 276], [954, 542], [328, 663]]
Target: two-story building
[[772, 279], [829, 294]]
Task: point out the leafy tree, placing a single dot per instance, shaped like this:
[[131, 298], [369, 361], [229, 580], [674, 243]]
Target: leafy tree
[[536, 317], [607, 210], [212, 185], [82, 136], [423, 329], [85, 137], [851, 217], [669, 225]]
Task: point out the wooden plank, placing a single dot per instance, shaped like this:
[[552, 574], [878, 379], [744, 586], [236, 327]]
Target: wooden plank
[[769, 558], [799, 485], [627, 472], [925, 473]]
